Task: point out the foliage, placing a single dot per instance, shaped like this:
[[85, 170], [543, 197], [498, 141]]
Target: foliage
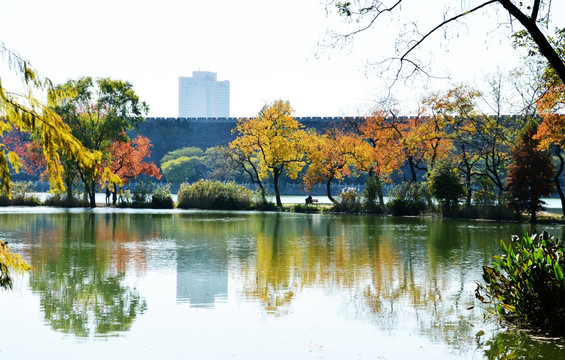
[[10, 263], [302, 208], [128, 159], [189, 152], [408, 198], [21, 195], [182, 169], [161, 198], [526, 283], [99, 113], [141, 194], [348, 201], [329, 158], [276, 139], [215, 195], [445, 185], [370, 196], [22, 111], [530, 176]]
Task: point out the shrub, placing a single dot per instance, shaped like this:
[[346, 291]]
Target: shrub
[[162, 197], [348, 201], [301, 208], [20, 195], [205, 194], [408, 198], [526, 283], [141, 195], [62, 200]]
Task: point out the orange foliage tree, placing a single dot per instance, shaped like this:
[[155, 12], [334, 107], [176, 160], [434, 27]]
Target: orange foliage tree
[[330, 157], [551, 131], [128, 159], [375, 148]]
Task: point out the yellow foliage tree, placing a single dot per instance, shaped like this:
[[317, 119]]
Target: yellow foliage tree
[[21, 110], [330, 158], [10, 262], [278, 140]]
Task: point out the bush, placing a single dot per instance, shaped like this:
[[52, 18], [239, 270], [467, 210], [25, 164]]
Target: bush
[[370, 195], [20, 195], [526, 283], [205, 194], [141, 195], [162, 197], [62, 200], [301, 208], [348, 201], [408, 198]]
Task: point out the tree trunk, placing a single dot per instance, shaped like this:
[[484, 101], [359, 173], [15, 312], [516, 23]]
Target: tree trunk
[[329, 192], [559, 170], [276, 175], [91, 188]]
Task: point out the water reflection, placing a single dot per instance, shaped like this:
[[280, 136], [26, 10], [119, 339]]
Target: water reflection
[[405, 277]]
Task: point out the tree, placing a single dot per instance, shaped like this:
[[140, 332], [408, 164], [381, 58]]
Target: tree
[[446, 187], [530, 14], [182, 169], [22, 111], [330, 157], [98, 113], [128, 159], [375, 148], [530, 175], [277, 139], [241, 157], [10, 262]]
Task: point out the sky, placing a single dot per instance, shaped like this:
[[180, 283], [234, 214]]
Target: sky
[[267, 49]]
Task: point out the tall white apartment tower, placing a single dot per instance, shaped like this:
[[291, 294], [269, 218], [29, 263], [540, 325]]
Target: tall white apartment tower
[[202, 96]]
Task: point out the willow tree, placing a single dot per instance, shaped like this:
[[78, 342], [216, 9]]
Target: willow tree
[[21, 110], [278, 140]]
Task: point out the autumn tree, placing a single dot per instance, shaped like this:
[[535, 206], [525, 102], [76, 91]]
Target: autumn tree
[[277, 139], [533, 15], [329, 158], [98, 113], [530, 175], [128, 159], [21, 110], [374, 149]]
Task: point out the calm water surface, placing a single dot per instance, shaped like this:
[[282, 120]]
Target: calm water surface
[[216, 285]]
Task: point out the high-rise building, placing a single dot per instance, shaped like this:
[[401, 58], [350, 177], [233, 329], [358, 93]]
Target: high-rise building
[[202, 96]]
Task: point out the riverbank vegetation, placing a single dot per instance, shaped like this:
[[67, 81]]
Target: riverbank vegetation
[[526, 283]]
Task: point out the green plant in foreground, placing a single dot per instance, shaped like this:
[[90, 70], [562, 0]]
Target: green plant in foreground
[[526, 283]]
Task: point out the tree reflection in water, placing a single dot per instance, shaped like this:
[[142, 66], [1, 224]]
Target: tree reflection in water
[[81, 291]]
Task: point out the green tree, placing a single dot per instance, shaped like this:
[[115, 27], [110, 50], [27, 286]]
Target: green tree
[[530, 175], [190, 151], [182, 169], [99, 112], [446, 187]]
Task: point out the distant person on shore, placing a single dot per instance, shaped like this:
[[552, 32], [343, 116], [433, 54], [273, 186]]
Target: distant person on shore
[[128, 194], [108, 195], [121, 198], [114, 196]]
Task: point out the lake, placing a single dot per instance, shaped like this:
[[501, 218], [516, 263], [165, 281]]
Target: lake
[[137, 284]]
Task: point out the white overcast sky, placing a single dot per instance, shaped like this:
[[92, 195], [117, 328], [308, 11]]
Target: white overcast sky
[[267, 49]]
